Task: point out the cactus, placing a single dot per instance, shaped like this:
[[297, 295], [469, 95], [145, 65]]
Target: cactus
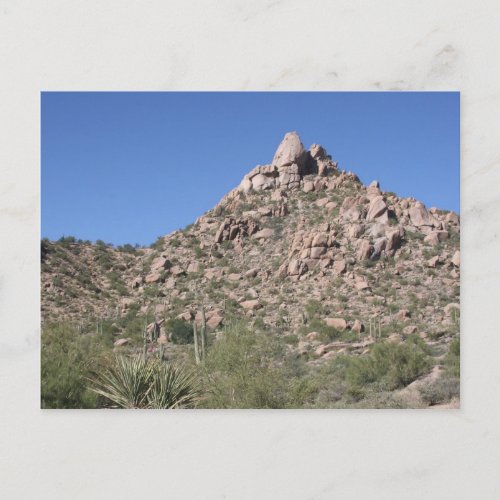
[[203, 333], [196, 349], [145, 341]]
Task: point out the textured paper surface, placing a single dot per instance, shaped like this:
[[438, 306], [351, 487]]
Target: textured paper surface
[[282, 45]]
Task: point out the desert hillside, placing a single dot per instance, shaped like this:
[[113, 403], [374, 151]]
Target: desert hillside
[[342, 280]]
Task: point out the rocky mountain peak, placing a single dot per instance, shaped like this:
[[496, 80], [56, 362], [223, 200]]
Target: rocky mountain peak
[[290, 151], [290, 164]]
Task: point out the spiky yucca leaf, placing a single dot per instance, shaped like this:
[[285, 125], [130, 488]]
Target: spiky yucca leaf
[[138, 383], [126, 382], [171, 387]]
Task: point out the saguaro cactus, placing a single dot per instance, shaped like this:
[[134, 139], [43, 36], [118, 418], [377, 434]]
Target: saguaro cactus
[[203, 333], [196, 349], [200, 344]]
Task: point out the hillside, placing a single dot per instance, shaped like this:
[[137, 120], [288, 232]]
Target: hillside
[[301, 250]]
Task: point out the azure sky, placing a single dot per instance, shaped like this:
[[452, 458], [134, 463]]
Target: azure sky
[[126, 167]]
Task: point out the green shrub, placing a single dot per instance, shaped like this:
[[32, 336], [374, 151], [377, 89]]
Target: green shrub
[[443, 390], [291, 339], [389, 365], [127, 248], [158, 244], [452, 359], [181, 332], [66, 240], [326, 333], [314, 308], [240, 370], [66, 359]]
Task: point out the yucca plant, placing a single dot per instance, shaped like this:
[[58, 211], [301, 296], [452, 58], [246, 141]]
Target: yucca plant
[[138, 383], [171, 387]]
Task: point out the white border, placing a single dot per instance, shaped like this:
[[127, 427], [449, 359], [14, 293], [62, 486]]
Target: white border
[[240, 45]]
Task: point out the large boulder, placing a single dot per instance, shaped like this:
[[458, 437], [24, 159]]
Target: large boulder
[[339, 267], [455, 260], [351, 209], [264, 234], [251, 273], [337, 323], [308, 186], [121, 342], [261, 182], [419, 216], [379, 246], [365, 250], [250, 304], [377, 209], [357, 326], [317, 252], [319, 162], [373, 190], [290, 151], [355, 231], [393, 241], [452, 218], [214, 321], [296, 268], [160, 263], [193, 267], [436, 237], [153, 278], [320, 240]]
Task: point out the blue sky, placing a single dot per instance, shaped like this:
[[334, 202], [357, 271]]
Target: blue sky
[[126, 167]]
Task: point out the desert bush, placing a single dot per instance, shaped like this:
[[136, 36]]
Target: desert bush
[[240, 370], [314, 308], [291, 339], [181, 332], [66, 358], [127, 248], [326, 333], [159, 244], [452, 359], [389, 365], [66, 240], [443, 390]]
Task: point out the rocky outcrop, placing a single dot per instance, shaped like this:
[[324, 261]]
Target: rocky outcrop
[[290, 152], [296, 267], [377, 210], [319, 162], [290, 164], [419, 216], [436, 237], [233, 228], [365, 250]]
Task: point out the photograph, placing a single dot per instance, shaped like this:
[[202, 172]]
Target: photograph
[[250, 250]]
